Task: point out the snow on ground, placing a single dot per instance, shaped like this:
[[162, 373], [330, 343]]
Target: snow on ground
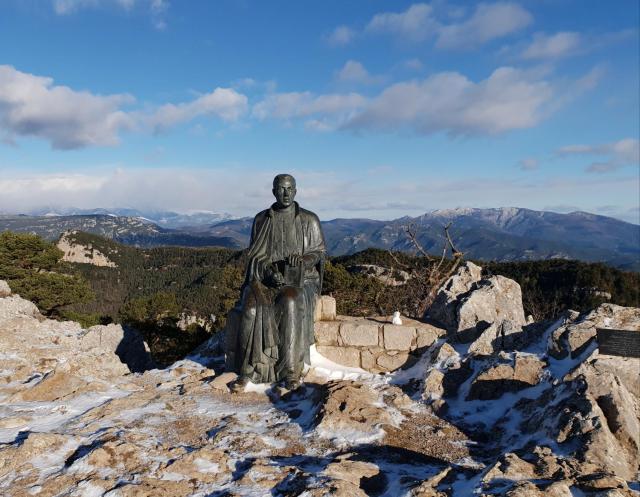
[[172, 426]]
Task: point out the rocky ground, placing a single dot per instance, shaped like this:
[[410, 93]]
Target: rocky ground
[[498, 407]]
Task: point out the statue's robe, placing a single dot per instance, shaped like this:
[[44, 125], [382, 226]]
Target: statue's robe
[[275, 328]]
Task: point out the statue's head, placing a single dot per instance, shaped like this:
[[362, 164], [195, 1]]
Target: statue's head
[[284, 189]]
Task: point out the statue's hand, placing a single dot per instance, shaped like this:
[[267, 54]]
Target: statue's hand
[[278, 279], [296, 260], [273, 277]]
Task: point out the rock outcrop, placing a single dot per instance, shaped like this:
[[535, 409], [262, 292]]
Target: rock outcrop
[[445, 306], [74, 420], [467, 303], [55, 356], [80, 253], [492, 383], [577, 331], [502, 416]]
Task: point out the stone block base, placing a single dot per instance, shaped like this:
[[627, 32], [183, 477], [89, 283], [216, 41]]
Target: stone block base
[[374, 344]]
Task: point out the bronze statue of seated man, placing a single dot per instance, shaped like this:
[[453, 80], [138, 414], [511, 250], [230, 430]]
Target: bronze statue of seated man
[[270, 331]]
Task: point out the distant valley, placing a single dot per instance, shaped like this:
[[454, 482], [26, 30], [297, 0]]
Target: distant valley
[[502, 234]]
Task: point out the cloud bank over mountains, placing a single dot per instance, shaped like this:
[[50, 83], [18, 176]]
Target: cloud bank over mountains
[[332, 193]]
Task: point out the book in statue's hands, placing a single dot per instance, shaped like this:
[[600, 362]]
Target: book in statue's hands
[[293, 275]]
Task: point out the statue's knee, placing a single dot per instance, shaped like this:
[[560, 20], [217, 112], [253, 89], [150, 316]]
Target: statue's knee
[[249, 310], [290, 293], [289, 297]]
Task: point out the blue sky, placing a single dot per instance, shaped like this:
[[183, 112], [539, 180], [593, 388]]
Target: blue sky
[[380, 109]]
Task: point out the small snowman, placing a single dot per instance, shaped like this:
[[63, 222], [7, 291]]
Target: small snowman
[[396, 318]]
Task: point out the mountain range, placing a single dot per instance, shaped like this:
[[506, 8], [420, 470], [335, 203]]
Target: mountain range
[[165, 219], [504, 234]]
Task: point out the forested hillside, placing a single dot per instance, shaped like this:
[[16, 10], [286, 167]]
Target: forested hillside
[[549, 287], [155, 289]]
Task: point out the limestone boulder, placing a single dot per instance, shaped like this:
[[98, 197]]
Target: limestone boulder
[[444, 354], [445, 304], [492, 300], [63, 354], [5, 291], [597, 482], [14, 309], [592, 416], [502, 335], [351, 471], [576, 332], [352, 407], [625, 369], [525, 489], [524, 372], [427, 488], [433, 387], [510, 467], [468, 303], [619, 432]]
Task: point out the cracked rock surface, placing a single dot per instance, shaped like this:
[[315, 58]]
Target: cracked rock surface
[[77, 421]]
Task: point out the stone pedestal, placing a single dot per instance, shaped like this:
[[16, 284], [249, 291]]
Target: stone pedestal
[[374, 344]]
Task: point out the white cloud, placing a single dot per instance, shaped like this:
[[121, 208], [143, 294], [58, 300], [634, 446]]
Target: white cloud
[[509, 99], [342, 35], [563, 44], [174, 188], [416, 23], [156, 8], [325, 112], [618, 154], [329, 192], [422, 21], [488, 22], [225, 103], [354, 72], [32, 106], [554, 46], [528, 164]]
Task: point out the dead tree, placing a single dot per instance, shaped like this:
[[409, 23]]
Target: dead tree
[[434, 273]]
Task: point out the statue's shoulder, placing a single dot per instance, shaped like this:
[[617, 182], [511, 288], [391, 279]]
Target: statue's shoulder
[[260, 216], [310, 216]]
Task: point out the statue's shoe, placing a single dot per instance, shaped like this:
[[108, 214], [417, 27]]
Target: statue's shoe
[[292, 384]]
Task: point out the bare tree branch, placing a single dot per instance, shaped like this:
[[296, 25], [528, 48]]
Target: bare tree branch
[[455, 252], [435, 274], [395, 258], [410, 230]]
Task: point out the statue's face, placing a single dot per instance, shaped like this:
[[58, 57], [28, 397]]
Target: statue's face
[[285, 192]]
